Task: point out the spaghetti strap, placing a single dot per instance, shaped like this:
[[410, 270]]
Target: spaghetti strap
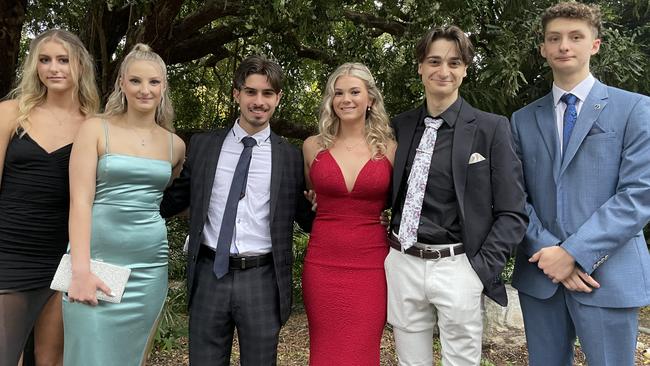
[[105, 123], [171, 147]]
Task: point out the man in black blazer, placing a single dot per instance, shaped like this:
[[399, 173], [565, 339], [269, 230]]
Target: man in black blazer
[[458, 210], [252, 290]]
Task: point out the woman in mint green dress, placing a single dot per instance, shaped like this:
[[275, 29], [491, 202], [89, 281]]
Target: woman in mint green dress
[[120, 164]]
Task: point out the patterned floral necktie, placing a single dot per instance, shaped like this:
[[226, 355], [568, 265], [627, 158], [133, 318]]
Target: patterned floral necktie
[[417, 183]]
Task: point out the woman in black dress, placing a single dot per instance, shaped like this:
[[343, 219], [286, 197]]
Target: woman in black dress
[[55, 94]]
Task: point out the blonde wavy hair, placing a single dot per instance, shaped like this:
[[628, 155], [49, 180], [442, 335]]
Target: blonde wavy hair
[[31, 92], [378, 132], [117, 103]]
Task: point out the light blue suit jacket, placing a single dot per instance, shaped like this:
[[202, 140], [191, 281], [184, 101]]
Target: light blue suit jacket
[[594, 199]]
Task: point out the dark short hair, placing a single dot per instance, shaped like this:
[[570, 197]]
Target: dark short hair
[[258, 65], [451, 33], [577, 11]]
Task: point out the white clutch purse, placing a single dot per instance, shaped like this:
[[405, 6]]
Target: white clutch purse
[[115, 277]]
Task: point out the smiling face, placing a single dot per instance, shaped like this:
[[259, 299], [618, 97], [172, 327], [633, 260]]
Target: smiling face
[[257, 101], [53, 67], [350, 99], [568, 46], [143, 85], [442, 70]]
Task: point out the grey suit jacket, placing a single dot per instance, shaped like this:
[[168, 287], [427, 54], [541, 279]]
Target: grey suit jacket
[[194, 187]]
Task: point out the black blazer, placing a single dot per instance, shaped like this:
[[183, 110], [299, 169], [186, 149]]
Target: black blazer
[[194, 186], [490, 193]]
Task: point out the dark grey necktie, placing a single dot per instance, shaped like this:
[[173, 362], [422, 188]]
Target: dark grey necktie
[[237, 191]]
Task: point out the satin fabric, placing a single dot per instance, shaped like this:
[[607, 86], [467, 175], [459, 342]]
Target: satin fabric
[[127, 230]]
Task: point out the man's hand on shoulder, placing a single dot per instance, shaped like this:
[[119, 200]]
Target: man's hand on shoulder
[[555, 261]]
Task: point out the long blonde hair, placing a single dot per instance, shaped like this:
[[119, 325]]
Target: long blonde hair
[[378, 132], [31, 92], [117, 103]]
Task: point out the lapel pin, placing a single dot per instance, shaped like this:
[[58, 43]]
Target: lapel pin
[[597, 106]]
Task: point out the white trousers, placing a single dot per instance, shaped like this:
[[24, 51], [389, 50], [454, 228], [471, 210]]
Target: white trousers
[[422, 292]]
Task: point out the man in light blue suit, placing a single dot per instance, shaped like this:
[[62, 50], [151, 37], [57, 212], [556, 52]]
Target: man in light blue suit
[[583, 268]]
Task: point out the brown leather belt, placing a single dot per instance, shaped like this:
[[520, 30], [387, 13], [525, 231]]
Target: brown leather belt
[[424, 253], [237, 262]]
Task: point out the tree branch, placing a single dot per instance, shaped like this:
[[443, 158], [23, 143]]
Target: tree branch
[[389, 26], [203, 44], [211, 10]]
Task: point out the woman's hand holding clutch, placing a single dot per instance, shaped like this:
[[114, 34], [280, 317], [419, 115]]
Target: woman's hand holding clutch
[[84, 286]]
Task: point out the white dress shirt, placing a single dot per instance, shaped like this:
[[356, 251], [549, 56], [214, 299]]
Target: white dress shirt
[[252, 234], [581, 91]]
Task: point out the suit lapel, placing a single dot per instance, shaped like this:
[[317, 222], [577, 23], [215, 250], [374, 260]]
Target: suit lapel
[[545, 117], [213, 151], [464, 130], [277, 169], [407, 127], [591, 108]]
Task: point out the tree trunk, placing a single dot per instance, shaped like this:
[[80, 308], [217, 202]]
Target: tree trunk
[[12, 16]]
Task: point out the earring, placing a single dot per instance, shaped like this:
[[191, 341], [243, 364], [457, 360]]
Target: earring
[[122, 99], [159, 109]]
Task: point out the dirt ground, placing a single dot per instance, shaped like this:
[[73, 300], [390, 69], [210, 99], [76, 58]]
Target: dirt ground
[[293, 349]]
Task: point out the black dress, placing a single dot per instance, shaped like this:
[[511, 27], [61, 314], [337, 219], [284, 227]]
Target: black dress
[[34, 202]]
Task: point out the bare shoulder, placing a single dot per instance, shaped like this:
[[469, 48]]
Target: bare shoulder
[[9, 106], [8, 115], [310, 148], [311, 144], [179, 147], [94, 123], [178, 142], [91, 128]]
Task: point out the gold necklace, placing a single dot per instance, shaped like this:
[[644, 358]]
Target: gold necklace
[[53, 114], [350, 147], [142, 140]]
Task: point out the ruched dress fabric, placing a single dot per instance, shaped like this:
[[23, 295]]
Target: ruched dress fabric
[[33, 214], [127, 230], [344, 284]]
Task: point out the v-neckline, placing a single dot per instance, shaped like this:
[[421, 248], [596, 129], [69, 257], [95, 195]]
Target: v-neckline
[[50, 153], [356, 179]]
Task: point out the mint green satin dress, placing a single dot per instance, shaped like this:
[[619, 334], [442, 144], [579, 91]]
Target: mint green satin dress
[[127, 230]]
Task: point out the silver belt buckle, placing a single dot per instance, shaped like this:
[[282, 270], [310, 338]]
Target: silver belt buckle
[[243, 262], [430, 250]]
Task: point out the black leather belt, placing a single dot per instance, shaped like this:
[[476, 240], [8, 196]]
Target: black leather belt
[[424, 253], [239, 262]]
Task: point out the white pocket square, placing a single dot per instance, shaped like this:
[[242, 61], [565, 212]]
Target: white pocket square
[[475, 158]]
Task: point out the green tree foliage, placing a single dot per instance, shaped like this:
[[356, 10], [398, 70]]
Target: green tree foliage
[[203, 41]]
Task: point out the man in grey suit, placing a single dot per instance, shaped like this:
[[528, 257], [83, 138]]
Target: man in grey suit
[[583, 268], [244, 187]]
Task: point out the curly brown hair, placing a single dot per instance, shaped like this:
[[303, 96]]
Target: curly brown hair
[[574, 10]]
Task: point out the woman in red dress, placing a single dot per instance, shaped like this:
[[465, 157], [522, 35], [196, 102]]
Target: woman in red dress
[[348, 165]]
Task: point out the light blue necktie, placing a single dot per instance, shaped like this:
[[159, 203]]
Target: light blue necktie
[[237, 191], [570, 118]]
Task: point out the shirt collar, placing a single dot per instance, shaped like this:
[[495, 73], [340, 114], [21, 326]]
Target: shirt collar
[[449, 115], [581, 90], [261, 137]]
